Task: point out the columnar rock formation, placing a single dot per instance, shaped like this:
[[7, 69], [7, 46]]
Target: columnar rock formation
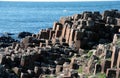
[[76, 47]]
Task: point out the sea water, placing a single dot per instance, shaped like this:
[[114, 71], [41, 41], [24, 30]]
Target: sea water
[[16, 17]]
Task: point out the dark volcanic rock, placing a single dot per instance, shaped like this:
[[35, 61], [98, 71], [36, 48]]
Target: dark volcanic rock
[[24, 34], [6, 41]]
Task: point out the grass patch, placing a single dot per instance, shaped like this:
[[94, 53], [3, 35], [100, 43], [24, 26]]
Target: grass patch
[[90, 53], [101, 75], [80, 70], [118, 42]]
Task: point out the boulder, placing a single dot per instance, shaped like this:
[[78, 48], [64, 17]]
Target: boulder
[[24, 34], [6, 41]]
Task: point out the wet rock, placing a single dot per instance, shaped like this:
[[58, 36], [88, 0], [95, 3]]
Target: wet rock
[[24, 34], [6, 41]]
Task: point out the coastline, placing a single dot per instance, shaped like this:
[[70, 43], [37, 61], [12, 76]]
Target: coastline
[[82, 45]]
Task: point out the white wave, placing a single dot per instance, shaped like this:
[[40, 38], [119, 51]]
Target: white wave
[[65, 10]]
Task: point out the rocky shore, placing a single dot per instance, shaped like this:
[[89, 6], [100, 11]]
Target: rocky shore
[[84, 45]]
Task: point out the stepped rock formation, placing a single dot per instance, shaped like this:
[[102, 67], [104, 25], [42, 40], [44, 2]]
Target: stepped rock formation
[[80, 46]]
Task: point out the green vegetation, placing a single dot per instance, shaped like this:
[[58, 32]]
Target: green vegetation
[[80, 70], [109, 59], [118, 42], [90, 53], [86, 51], [101, 75]]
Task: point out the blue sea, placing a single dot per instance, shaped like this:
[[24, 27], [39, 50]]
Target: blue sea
[[34, 16]]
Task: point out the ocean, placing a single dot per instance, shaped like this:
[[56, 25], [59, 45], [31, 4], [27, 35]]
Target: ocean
[[16, 17]]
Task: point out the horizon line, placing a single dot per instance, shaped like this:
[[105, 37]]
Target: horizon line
[[57, 1]]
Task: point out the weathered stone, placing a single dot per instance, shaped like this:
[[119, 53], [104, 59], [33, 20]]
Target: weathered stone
[[2, 58], [77, 44], [58, 33], [74, 66], [118, 61], [100, 50], [44, 34], [64, 30], [66, 65], [34, 35], [42, 44], [68, 30], [67, 73], [116, 38], [17, 47], [48, 42], [91, 64], [113, 73], [77, 17], [13, 45], [105, 65], [97, 68], [24, 62], [90, 22], [17, 70], [87, 15], [52, 32], [83, 23], [24, 75], [118, 21], [108, 54], [110, 20], [74, 74], [105, 14], [64, 20], [114, 56], [72, 35], [57, 26]]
